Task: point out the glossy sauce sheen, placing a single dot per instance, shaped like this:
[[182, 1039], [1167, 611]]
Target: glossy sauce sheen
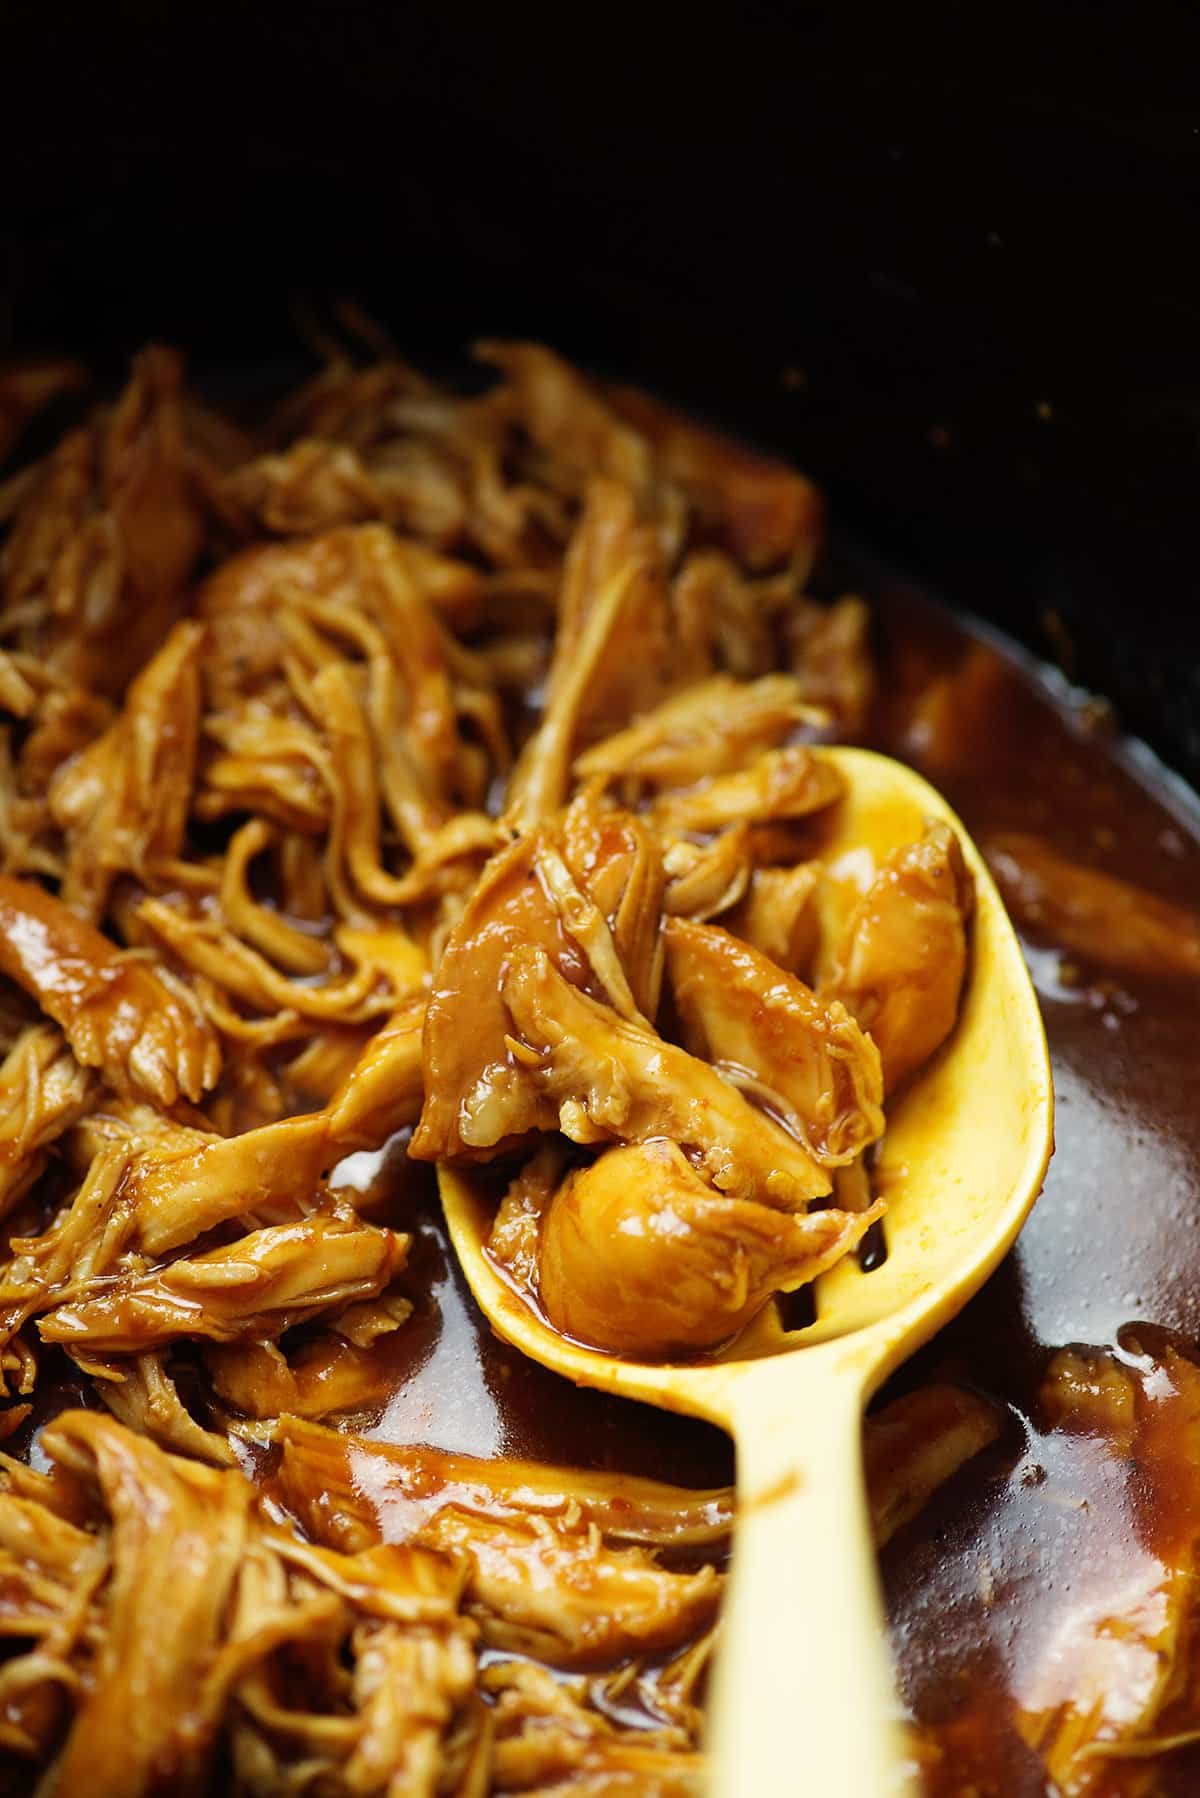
[[1040, 1527], [1044, 1530]]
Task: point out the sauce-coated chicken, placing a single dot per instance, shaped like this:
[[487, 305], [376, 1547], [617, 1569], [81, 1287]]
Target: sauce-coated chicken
[[814, 1067], [380, 765], [608, 1079], [902, 961], [640, 1255], [145, 1034]]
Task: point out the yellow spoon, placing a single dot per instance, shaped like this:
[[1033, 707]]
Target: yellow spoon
[[804, 1698]]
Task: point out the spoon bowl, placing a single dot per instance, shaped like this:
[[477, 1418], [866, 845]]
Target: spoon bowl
[[803, 1679]]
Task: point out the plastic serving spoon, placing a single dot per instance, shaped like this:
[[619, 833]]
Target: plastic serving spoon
[[803, 1697]]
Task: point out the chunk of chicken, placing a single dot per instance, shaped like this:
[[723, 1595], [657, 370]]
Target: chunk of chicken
[[43, 1091], [760, 510], [569, 418], [956, 722], [550, 1742], [352, 1492], [903, 958], [475, 1096], [707, 878], [777, 915], [124, 801], [727, 620], [106, 535], [561, 1594], [516, 1233], [830, 653], [213, 953], [782, 784], [384, 1090], [186, 1183], [1110, 1686], [616, 860], [713, 727], [142, 1395], [805, 1058], [594, 907], [606, 1079], [612, 651], [313, 486], [1093, 914], [1090, 1393], [260, 1285], [915, 1444], [146, 1035], [152, 1186], [323, 1376], [178, 1537], [640, 1256]]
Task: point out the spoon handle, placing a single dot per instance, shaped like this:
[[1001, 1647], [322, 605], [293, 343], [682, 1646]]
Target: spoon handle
[[804, 1698]]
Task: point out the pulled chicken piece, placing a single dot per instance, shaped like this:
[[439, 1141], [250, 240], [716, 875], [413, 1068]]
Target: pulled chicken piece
[[262, 1284], [384, 1089], [900, 966], [803, 1057], [550, 1742], [351, 1492], [640, 1256], [714, 727], [607, 1079], [612, 650], [123, 802], [781, 784], [593, 906], [560, 1564], [105, 534], [777, 916], [915, 1444], [131, 1021], [561, 1594], [43, 1091], [758, 509]]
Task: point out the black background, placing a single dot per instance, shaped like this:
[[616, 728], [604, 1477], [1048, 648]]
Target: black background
[[969, 233]]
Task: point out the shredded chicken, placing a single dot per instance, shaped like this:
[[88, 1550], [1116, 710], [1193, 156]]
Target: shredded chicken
[[1112, 1694], [120, 1014], [347, 1490], [380, 767], [169, 1634], [818, 1072], [611, 1079], [901, 964], [915, 1444], [43, 1091]]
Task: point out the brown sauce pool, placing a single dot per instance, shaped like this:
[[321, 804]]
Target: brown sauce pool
[[1042, 1529], [1040, 1526]]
